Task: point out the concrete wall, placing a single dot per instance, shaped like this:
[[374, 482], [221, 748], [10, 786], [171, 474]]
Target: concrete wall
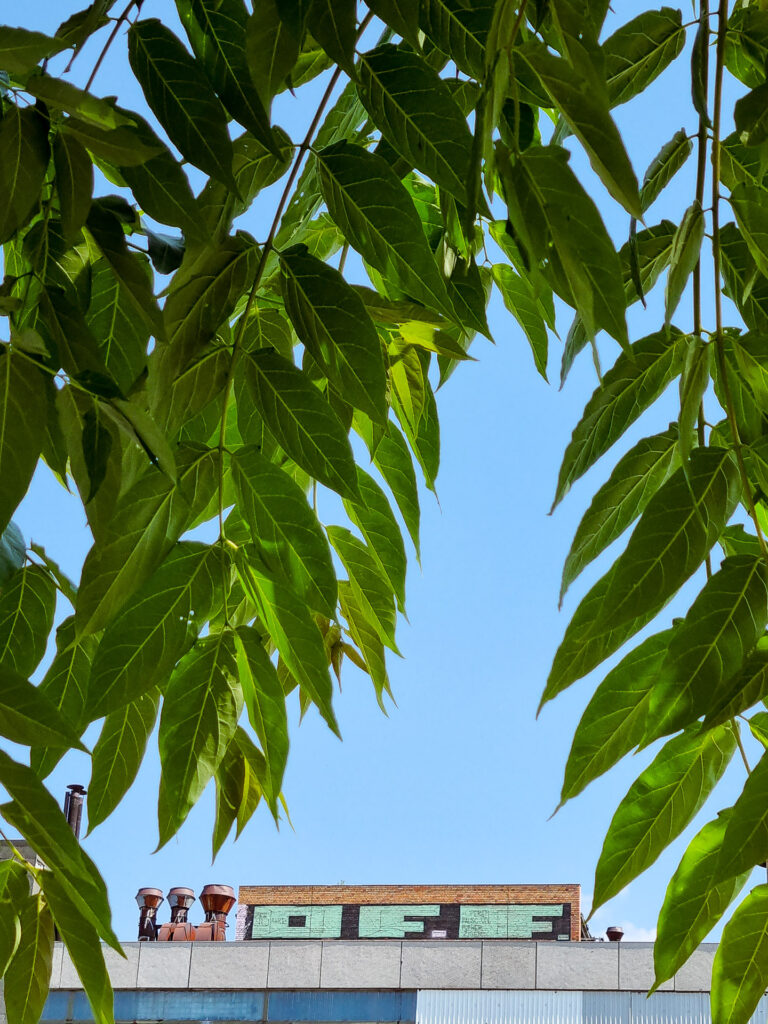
[[390, 964]]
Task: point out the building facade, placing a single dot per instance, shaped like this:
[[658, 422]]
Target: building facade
[[395, 955]]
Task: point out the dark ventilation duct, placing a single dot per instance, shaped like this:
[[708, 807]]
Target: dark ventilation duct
[[73, 807], [217, 901], [615, 934], [178, 929], [149, 901]]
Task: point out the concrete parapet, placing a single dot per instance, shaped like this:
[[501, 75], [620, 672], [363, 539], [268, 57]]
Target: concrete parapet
[[389, 964]]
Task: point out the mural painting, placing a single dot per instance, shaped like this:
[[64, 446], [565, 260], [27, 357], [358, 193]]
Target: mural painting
[[409, 921]]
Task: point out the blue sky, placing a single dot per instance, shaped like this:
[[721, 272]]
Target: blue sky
[[458, 783]]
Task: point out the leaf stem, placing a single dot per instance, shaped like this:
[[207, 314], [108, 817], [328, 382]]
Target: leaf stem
[[265, 251], [722, 25], [701, 174], [742, 751], [121, 18]]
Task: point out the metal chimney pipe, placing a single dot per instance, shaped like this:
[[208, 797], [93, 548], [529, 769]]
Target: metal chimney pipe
[[73, 806], [217, 901], [180, 899], [149, 901]]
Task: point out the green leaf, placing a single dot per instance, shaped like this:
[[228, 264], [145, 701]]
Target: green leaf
[[301, 420], [97, 447], [253, 771], [65, 684], [748, 202], [699, 67], [686, 248], [635, 479], [255, 167], [331, 320], [664, 167], [415, 110], [373, 592], [749, 113], [374, 518], [230, 783], [659, 804], [748, 687], [122, 337], [401, 16], [459, 31], [27, 604], [140, 647], [694, 901], [67, 97], [614, 720], [35, 813], [160, 185], [678, 527], [29, 973], [201, 381], [634, 382], [746, 45], [710, 646], [122, 147], [24, 153], [21, 50], [118, 754], [366, 636], [14, 891], [217, 32], [393, 461], [745, 843], [74, 183], [333, 23], [694, 382], [13, 550], [265, 703], [550, 211], [588, 117], [293, 632], [272, 50], [181, 99], [147, 521], [376, 215], [748, 290], [201, 300], [740, 969], [639, 51], [200, 711], [740, 163], [83, 946], [29, 716], [131, 270], [285, 529], [519, 298]]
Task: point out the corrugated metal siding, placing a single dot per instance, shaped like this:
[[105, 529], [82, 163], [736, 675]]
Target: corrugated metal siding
[[477, 1007], [147, 1005], [538, 1007]]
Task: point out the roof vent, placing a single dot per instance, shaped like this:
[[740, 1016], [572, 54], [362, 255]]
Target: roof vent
[[73, 806], [614, 933], [217, 901], [180, 899], [149, 901]]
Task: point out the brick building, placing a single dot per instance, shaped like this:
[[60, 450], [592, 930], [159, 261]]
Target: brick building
[[378, 955]]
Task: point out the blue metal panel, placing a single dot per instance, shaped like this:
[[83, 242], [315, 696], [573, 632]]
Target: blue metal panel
[[341, 1006], [149, 1005], [490, 1006], [606, 1008]]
